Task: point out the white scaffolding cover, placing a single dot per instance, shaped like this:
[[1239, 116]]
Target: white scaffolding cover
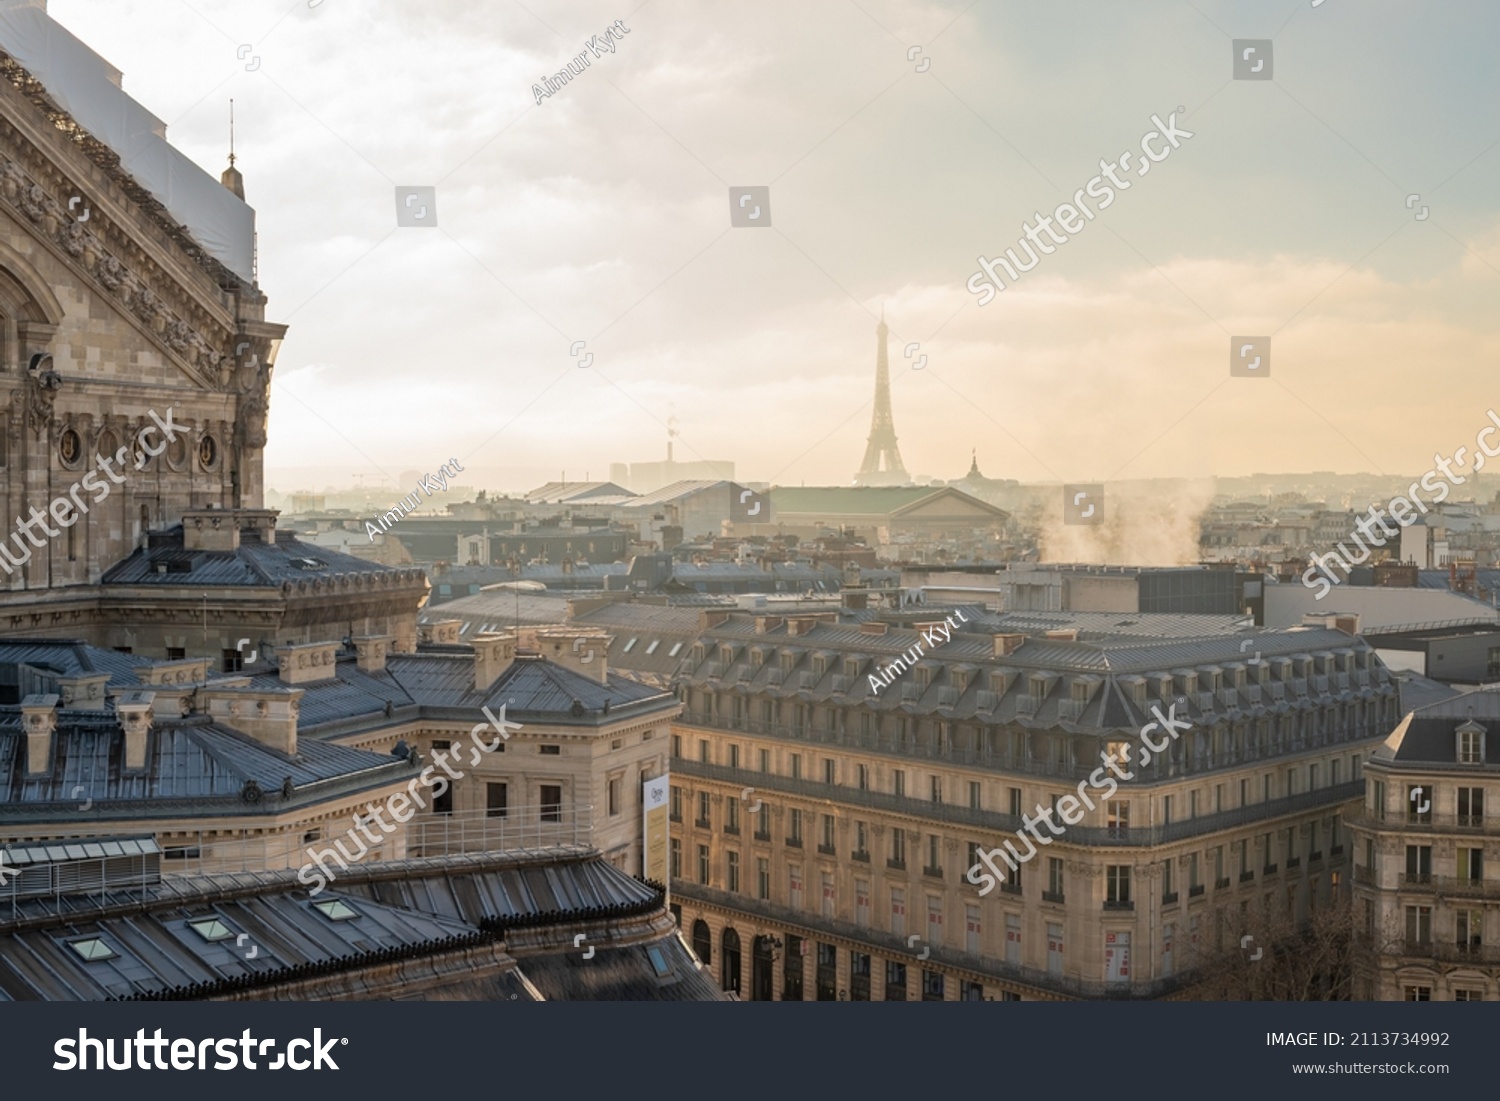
[[88, 88]]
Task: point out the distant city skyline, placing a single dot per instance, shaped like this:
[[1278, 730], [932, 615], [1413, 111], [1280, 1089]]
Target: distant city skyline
[[600, 216]]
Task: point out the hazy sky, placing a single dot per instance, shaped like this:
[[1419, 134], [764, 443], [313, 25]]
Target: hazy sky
[[602, 215]]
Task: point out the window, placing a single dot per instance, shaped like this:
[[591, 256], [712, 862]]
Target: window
[[705, 819], [1473, 995], [1168, 881], [796, 766], [551, 802], [612, 793], [791, 969], [1117, 885], [934, 858], [495, 804], [898, 848], [703, 864], [658, 960], [676, 858], [794, 885], [863, 773], [676, 804], [932, 986], [763, 878], [1471, 865], [1117, 816], [861, 842], [1012, 938], [895, 981], [765, 760], [651, 649], [1471, 806], [732, 870], [1471, 744], [92, 949], [336, 909], [763, 823], [898, 911], [1054, 891], [830, 901], [734, 756], [629, 646], [703, 750], [1418, 803], [794, 828], [211, 929], [549, 750], [830, 771], [827, 845], [975, 789], [862, 902], [1419, 928], [1015, 802], [936, 787], [1166, 810], [1419, 863], [1418, 993], [1469, 927], [675, 650], [898, 781], [973, 929]]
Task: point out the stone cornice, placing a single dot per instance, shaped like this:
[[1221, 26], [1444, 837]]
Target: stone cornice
[[31, 89]]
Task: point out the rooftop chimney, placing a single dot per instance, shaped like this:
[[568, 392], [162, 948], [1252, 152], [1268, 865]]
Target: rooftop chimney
[[493, 655], [443, 632], [210, 530], [371, 651], [39, 718], [134, 710], [582, 649], [1008, 644], [268, 715], [84, 691], [307, 662]]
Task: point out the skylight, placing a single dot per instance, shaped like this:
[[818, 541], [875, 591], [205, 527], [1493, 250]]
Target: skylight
[[659, 962], [655, 642], [630, 646], [336, 909], [211, 929], [676, 646], [92, 949]]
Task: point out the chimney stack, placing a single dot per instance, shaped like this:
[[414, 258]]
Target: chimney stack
[[134, 710], [493, 655], [268, 715], [84, 691], [307, 662], [39, 719], [371, 651], [582, 649]]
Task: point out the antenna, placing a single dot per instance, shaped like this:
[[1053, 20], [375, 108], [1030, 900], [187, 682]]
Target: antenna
[[231, 132]]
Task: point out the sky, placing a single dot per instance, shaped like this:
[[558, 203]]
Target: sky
[[900, 141]]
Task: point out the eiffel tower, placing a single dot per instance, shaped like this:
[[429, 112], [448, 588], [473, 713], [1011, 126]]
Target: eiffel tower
[[882, 465]]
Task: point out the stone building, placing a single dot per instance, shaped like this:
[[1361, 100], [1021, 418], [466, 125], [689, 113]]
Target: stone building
[[833, 785], [1422, 845]]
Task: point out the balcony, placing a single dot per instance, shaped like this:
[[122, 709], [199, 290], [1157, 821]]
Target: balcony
[[1220, 884], [1293, 862], [1195, 891], [828, 850], [899, 866], [794, 842], [1269, 869], [1053, 896], [1118, 904], [762, 835], [958, 814], [1246, 877], [1167, 898], [1365, 874], [935, 873], [1010, 888], [1453, 886]]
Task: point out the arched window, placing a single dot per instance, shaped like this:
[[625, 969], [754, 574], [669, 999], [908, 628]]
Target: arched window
[[703, 942], [730, 962]]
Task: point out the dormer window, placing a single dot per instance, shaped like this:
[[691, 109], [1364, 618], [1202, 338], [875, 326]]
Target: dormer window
[[851, 667], [1470, 743]]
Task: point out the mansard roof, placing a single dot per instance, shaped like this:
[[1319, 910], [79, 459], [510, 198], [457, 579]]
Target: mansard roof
[[253, 564]]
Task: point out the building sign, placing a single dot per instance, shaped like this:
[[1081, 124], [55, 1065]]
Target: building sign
[[1117, 957], [655, 826]]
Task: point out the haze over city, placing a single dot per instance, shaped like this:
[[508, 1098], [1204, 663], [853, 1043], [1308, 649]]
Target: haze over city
[[599, 215]]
